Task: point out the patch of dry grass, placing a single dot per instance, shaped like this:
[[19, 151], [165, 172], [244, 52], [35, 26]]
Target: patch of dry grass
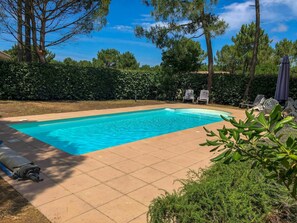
[[20, 108]]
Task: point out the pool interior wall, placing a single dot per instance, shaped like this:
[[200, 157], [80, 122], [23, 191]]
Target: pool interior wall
[[87, 134]]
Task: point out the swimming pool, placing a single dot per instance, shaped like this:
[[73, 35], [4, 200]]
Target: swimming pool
[[86, 134]]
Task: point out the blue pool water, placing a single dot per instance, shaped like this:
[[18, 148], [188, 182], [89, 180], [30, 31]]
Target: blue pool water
[[82, 135]]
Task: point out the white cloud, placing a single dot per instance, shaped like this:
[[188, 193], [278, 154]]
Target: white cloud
[[146, 18], [237, 14], [115, 41], [123, 28], [280, 28], [272, 11]]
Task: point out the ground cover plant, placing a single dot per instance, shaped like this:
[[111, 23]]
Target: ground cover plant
[[225, 193]]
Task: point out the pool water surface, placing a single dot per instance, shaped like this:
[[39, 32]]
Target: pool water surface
[[87, 134]]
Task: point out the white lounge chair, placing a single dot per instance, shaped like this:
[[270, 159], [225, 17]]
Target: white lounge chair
[[269, 104], [189, 95], [258, 100], [204, 97]]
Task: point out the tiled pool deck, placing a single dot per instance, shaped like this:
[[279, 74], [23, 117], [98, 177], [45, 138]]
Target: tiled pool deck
[[112, 185]]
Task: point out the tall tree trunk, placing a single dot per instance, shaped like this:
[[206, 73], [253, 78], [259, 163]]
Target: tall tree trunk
[[255, 50], [20, 30], [209, 51], [37, 50], [210, 60], [28, 53], [42, 33]]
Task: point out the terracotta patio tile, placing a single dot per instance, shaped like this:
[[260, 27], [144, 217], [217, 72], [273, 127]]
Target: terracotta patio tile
[[197, 154], [128, 166], [148, 174], [123, 209], [142, 147], [64, 209], [79, 183], [108, 157], [126, 151], [27, 185], [201, 165], [126, 184], [167, 167], [176, 149], [50, 193], [182, 174], [59, 172], [105, 173], [168, 184], [184, 161], [141, 219], [160, 144], [89, 164], [98, 195], [92, 216], [147, 159], [163, 154], [145, 194]]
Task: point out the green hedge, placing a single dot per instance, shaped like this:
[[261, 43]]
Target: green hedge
[[64, 82]]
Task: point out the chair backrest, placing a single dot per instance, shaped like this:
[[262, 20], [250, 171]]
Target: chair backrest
[[204, 94], [259, 99], [269, 104], [189, 94]]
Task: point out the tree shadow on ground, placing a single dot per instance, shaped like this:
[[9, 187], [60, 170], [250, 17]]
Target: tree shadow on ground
[[56, 166]]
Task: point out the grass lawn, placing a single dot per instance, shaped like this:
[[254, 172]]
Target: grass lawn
[[20, 108], [13, 207]]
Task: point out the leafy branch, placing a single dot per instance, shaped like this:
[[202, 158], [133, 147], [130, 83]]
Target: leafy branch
[[260, 139]]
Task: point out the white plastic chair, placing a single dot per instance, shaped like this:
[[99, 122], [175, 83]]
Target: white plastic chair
[[259, 105], [204, 96], [260, 98], [269, 104], [189, 95]]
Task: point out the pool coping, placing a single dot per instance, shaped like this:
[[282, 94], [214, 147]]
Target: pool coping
[[138, 169]]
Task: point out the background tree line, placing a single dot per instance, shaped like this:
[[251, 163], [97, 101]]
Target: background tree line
[[235, 58]]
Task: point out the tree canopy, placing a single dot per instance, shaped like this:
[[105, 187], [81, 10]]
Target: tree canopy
[[183, 55], [46, 23], [112, 58], [177, 19], [237, 57], [13, 52]]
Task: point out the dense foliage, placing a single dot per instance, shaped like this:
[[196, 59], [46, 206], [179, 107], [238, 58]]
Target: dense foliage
[[183, 55], [223, 193], [184, 19], [236, 57], [260, 140], [64, 82], [75, 82]]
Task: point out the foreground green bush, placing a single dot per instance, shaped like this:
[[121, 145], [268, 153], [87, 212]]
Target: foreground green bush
[[260, 139], [224, 193]]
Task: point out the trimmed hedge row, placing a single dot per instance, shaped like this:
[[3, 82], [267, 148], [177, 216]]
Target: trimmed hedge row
[[64, 82]]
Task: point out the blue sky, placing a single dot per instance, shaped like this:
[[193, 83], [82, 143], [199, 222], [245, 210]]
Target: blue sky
[[279, 19]]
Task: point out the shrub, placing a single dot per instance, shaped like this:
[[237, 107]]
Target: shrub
[[64, 82], [223, 193], [259, 139]]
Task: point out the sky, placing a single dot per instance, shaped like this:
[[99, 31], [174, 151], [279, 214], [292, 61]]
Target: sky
[[278, 18]]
